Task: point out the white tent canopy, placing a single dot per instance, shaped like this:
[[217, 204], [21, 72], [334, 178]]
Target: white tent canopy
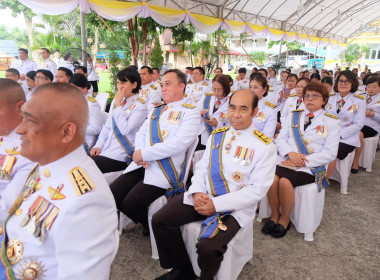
[[318, 22]]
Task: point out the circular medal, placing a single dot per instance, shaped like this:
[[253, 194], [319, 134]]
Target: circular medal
[[164, 133], [24, 220], [222, 227], [18, 212], [47, 173], [311, 150], [228, 146], [236, 159], [31, 270], [26, 194], [242, 162], [31, 226], [237, 176], [14, 251], [307, 141], [43, 231], [39, 186], [37, 232]]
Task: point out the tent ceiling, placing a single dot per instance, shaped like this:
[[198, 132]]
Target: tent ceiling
[[318, 17]]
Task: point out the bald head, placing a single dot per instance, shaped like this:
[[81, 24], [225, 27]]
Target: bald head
[[242, 108], [248, 94], [66, 103], [54, 123], [11, 92]]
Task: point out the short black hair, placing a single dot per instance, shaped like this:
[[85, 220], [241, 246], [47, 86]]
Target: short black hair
[[201, 69], [56, 50], [219, 69], [150, 70], [31, 75], [68, 72], [327, 80], [242, 70], [23, 50], [46, 73], [351, 77], [46, 50], [254, 74], [66, 57], [373, 79], [134, 66], [84, 69], [79, 80], [155, 68], [14, 71], [130, 74], [316, 76], [190, 68], [255, 101], [264, 70], [182, 78], [262, 81]]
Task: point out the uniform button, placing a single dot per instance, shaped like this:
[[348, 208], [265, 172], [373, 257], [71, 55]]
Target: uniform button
[[47, 173]]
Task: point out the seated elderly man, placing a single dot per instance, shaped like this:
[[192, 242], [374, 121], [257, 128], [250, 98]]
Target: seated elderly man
[[52, 229], [160, 147], [234, 174], [14, 75], [14, 168]]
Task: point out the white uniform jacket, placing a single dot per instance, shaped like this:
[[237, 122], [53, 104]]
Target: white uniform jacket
[[322, 148], [151, 93], [10, 188], [373, 106], [255, 178], [291, 105], [195, 91], [24, 66], [178, 136], [281, 104], [92, 75], [351, 116], [266, 118], [50, 65], [95, 122], [220, 115], [83, 238], [242, 84], [129, 117]]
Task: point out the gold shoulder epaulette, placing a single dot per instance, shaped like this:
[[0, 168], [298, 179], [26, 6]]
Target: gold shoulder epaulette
[[159, 105], [270, 104], [190, 82], [205, 84], [92, 99], [270, 90], [232, 91], [153, 87], [188, 106], [332, 94], [262, 136], [141, 100], [292, 95], [209, 93], [220, 129], [359, 96], [81, 182], [331, 116], [20, 83]]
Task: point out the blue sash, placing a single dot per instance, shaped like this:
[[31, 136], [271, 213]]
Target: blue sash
[[6, 272], [320, 171], [166, 164], [124, 142], [88, 148], [206, 108], [218, 185]]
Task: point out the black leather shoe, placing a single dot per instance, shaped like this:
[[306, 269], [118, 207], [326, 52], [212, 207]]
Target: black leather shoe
[[177, 274], [146, 231], [268, 227], [279, 230], [354, 171]]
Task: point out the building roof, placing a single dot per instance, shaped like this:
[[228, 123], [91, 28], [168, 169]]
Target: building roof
[[9, 47]]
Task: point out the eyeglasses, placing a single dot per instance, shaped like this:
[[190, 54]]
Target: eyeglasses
[[346, 82], [41, 78], [313, 96]]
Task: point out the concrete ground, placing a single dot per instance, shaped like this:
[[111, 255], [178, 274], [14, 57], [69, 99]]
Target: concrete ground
[[346, 244]]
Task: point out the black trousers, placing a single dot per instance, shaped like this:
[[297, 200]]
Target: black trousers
[[171, 247], [368, 131], [343, 150], [133, 197], [106, 164]]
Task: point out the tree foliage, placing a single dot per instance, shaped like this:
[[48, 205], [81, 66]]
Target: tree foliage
[[156, 59], [259, 56], [354, 53], [290, 45], [15, 34]]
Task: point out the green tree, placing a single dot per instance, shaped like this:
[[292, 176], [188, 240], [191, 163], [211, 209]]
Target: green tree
[[156, 59], [354, 53], [17, 35], [259, 57]]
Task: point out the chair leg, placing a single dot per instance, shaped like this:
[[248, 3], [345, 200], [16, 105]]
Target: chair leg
[[309, 237], [369, 169], [259, 219]]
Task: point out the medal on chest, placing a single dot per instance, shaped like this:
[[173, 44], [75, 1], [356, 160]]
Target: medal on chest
[[322, 130]]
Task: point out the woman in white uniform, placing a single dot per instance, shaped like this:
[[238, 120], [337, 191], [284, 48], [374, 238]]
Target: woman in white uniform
[[295, 101], [371, 126], [266, 117], [307, 143]]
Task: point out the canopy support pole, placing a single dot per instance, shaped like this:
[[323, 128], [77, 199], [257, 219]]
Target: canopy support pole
[[279, 52], [220, 10], [315, 56], [83, 38]]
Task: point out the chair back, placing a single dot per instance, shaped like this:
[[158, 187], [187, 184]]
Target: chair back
[[189, 156], [102, 98]]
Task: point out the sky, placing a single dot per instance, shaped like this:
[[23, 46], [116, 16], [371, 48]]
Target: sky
[[9, 21]]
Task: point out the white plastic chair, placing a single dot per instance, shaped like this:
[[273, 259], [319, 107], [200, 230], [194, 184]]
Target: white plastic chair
[[239, 252], [102, 98], [342, 171], [104, 117], [307, 212], [368, 152], [161, 201]]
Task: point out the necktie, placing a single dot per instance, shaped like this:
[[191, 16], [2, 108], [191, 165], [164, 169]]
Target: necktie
[[217, 104], [340, 105], [299, 102], [123, 103], [308, 120], [369, 99]]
